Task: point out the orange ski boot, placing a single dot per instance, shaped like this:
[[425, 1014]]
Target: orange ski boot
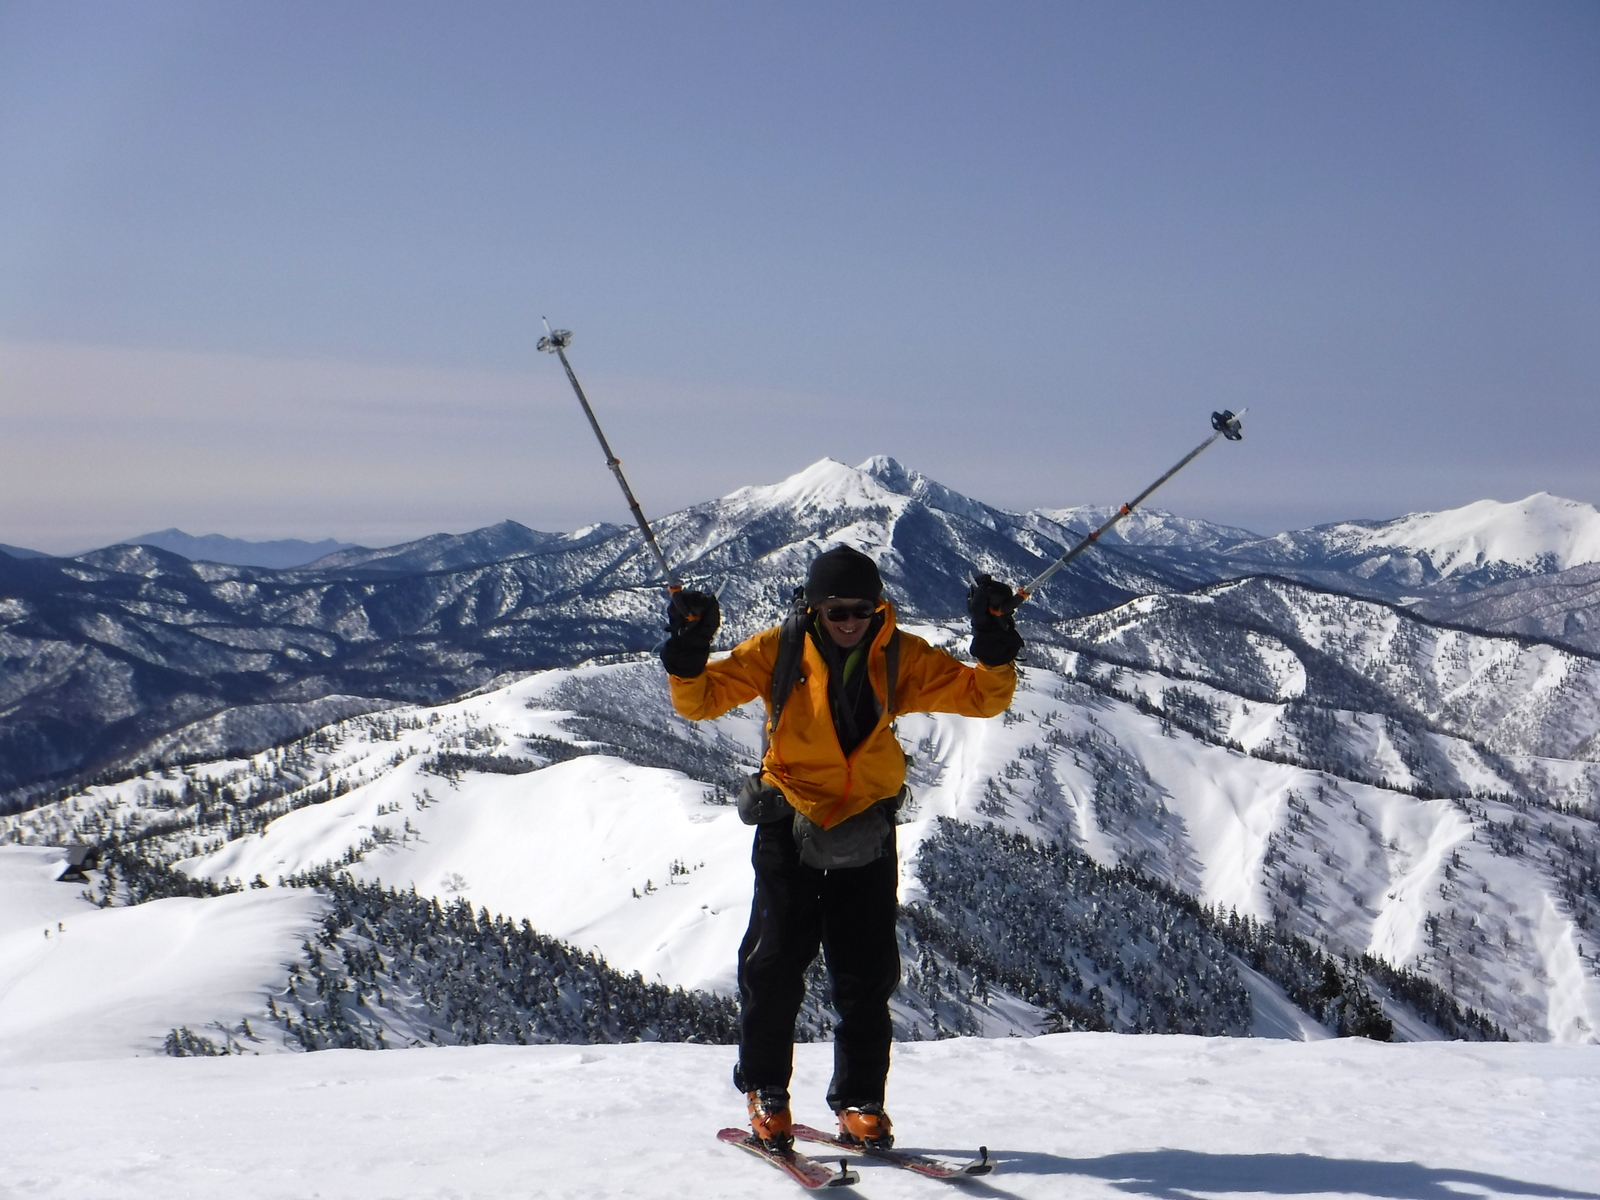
[[867, 1126], [770, 1119]]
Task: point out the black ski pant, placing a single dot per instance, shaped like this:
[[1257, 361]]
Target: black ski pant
[[850, 914]]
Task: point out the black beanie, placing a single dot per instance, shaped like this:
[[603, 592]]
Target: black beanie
[[844, 573]]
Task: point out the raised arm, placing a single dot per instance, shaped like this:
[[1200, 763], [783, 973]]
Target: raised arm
[[933, 681], [702, 689]]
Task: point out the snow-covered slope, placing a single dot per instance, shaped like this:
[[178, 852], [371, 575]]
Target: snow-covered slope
[[630, 861], [1539, 533], [1083, 1115], [1562, 607], [82, 982], [1272, 640]]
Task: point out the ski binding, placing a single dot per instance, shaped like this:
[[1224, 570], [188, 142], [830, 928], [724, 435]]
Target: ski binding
[[920, 1163], [807, 1172]]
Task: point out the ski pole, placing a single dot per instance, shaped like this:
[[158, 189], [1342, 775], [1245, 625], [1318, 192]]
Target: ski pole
[[1225, 423], [556, 342]]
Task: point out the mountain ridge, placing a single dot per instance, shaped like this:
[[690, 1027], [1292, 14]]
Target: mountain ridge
[[118, 652]]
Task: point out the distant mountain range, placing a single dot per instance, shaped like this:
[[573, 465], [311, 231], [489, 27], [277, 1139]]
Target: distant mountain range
[[134, 653], [437, 552], [214, 547]]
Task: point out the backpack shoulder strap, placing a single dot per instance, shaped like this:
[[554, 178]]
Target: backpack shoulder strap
[[891, 662], [791, 654]]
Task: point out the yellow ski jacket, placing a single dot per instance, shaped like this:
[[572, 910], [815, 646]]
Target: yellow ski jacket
[[804, 758]]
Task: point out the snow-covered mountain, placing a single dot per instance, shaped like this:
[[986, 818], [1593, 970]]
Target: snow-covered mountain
[[1538, 534], [1332, 768], [132, 654], [1562, 607], [1458, 549]]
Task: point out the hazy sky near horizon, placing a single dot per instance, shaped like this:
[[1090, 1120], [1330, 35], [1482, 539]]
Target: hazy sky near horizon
[[276, 269]]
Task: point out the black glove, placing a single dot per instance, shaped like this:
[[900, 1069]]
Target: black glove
[[692, 621], [995, 640]]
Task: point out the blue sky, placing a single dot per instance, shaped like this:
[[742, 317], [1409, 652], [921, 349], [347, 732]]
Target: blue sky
[[276, 269]]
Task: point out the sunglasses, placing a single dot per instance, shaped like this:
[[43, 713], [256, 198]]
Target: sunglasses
[[839, 613]]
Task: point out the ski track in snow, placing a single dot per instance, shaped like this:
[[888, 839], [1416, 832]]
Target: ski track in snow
[[1081, 1115]]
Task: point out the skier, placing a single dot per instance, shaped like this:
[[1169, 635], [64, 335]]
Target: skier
[[823, 804]]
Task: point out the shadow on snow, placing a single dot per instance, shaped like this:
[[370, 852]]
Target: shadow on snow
[[1179, 1174]]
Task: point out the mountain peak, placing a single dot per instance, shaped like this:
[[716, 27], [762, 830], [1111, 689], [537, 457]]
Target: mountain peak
[[904, 481], [825, 485], [828, 485], [892, 473]]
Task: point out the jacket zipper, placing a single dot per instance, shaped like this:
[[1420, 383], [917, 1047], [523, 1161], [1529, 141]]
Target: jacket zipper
[[849, 759]]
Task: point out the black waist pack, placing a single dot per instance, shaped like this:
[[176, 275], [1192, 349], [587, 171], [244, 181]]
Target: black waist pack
[[759, 802], [863, 838]]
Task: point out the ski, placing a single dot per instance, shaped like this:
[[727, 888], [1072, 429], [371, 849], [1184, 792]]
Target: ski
[[920, 1163], [807, 1172]]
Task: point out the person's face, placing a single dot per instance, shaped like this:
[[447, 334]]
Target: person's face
[[846, 621]]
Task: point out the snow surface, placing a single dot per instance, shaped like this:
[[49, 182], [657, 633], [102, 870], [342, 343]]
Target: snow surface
[[1082, 1115], [77, 981]]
